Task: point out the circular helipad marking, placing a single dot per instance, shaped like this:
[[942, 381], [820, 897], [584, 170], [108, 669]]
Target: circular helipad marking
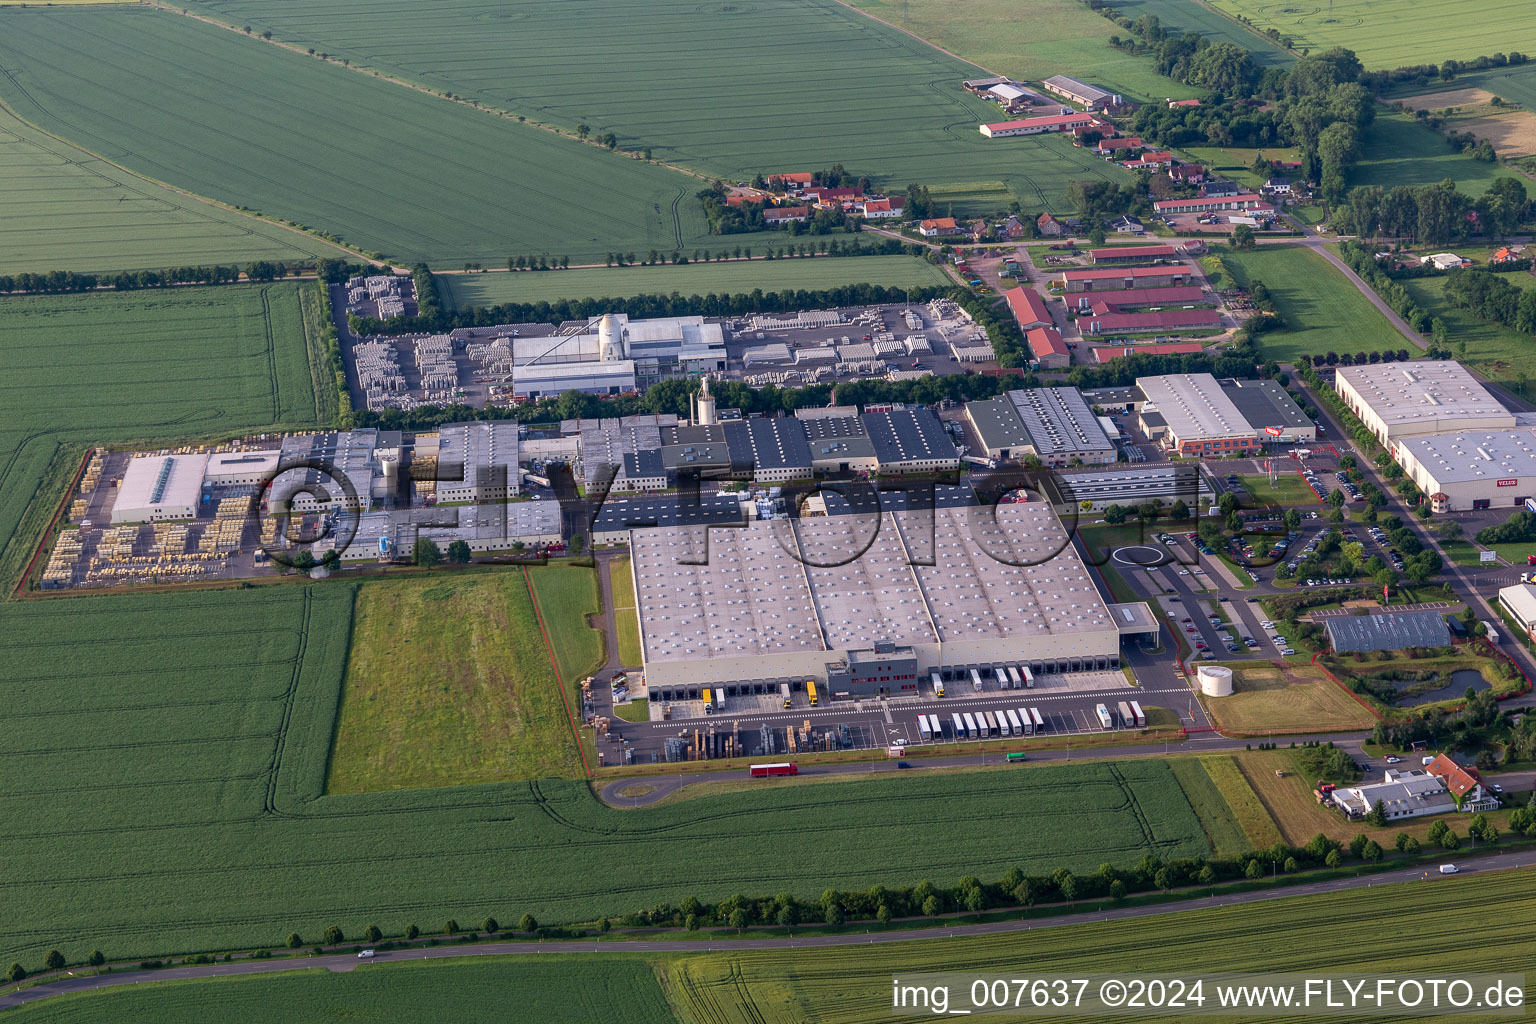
[[1143, 555]]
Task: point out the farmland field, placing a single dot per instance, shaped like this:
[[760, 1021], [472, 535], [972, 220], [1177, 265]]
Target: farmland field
[[461, 291], [195, 816], [1323, 309], [418, 177], [557, 990], [1498, 352], [1396, 150], [448, 684], [183, 363], [1298, 933], [69, 209], [1516, 84], [1221, 827], [723, 89], [1395, 33]]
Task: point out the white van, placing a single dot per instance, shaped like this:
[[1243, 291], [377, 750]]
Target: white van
[[1449, 869]]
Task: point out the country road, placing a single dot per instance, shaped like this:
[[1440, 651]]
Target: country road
[[341, 962]]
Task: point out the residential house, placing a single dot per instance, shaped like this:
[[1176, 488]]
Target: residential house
[[1151, 161], [787, 214], [1126, 225], [1217, 187], [938, 226], [1445, 261], [1464, 784], [881, 209], [1278, 186], [1125, 144], [1049, 227], [1187, 174], [1013, 229]]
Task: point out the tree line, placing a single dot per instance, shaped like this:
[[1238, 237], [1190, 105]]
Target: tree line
[[1434, 214], [65, 281], [1489, 296]]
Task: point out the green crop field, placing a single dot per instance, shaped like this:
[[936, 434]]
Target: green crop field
[[462, 291], [385, 167], [167, 796], [557, 990], [724, 89], [449, 683], [69, 209], [1396, 150], [1395, 33], [1516, 84], [183, 363], [1221, 828], [1500, 353], [1304, 933], [1324, 310], [567, 595]]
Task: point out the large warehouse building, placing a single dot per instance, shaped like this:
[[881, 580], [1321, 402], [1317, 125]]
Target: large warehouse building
[[1053, 424], [1398, 400], [1199, 418], [613, 354], [780, 602], [159, 487], [1472, 469]]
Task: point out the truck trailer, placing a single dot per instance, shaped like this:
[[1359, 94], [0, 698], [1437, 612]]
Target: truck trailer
[[1140, 716], [1127, 718], [1019, 727], [1105, 721], [764, 771], [976, 679], [1015, 680], [961, 732]]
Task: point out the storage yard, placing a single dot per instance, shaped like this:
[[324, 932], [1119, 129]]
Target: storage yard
[[609, 355]]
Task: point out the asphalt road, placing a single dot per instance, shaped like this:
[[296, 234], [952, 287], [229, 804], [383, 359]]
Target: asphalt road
[[1521, 860]]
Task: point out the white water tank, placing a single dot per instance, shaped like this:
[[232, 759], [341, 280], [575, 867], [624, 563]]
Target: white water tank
[[611, 343], [1215, 681]]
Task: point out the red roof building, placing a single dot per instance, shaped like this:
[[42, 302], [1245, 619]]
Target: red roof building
[[1182, 103], [876, 209], [785, 214], [1190, 174], [1464, 784], [822, 194], [1049, 227], [1104, 147], [1157, 159], [1172, 348], [1132, 254], [792, 178], [1050, 352], [1208, 204], [938, 226], [1133, 323], [1179, 296], [744, 199], [1037, 125], [1116, 278], [1028, 307]]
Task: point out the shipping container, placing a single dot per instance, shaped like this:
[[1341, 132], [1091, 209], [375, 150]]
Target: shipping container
[[991, 722], [1029, 677], [1003, 726], [1001, 676], [1127, 720]]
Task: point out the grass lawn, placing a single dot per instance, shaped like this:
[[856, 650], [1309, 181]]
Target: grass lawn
[[1289, 488], [1386, 34], [625, 614], [795, 68], [1464, 552], [1323, 309], [448, 684], [1397, 150], [635, 711], [67, 208], [1496, 351], [468, 290], [567, 595], [559, 990], [1301, 700], [1216, 817], [1516, 553]]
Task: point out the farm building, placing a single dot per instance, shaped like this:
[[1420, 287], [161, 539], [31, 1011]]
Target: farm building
[[1028, 308], [1472, 469], [1200, 418], [1180, 296], [1398, 400], [1166, 321], [1212, 204], [1047, 348], [1409, 794], [787, 214], [159, 487], [1053, 424], [1118, 278], [1090, 96], [1132, 253], [1387, 631], [1109, 147], [1167, 483], [1150, 160], [1104, 353], [764, 610], [1039, 125], [1270, 411]]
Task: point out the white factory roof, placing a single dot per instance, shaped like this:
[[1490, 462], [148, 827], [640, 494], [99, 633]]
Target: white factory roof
[[161, 481], [1194, 406], [229, 464], [782, 587], [1475, 455], [1407, 394], [1520, 599], [618, 369]]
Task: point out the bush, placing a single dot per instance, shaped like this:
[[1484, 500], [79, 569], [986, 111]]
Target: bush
[[334, 936], [17, 973], [54, 961], [411, 931], [294, 940], [451, 927]]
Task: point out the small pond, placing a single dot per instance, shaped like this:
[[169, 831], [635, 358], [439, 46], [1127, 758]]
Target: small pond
[[1460, 680]]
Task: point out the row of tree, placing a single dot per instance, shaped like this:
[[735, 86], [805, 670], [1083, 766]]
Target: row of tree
[[1433, 214], [1331, 358], [1491, 297]]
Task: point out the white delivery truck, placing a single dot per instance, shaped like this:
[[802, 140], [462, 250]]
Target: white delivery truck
[[938, 684], [1001, 675], [1127, 720], [937, 727], [1003, 725]]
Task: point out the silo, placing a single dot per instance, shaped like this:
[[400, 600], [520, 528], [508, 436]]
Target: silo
[[1215, 681]]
